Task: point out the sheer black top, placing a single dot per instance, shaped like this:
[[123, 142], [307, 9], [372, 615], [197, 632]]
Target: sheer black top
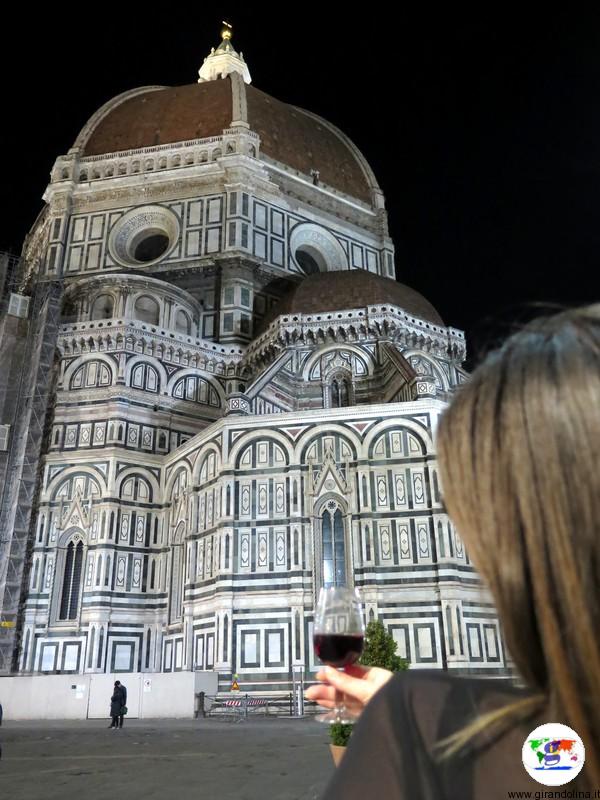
[[392, 751]]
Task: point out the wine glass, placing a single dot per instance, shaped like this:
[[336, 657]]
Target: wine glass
[[338, 638]]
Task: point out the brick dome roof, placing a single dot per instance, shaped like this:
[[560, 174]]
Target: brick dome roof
[[357, 288], [296, 138]]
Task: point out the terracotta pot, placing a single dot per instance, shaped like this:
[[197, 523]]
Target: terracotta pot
[[337, 751]]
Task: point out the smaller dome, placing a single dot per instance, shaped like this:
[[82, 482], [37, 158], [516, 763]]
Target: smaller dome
[[357, 288]]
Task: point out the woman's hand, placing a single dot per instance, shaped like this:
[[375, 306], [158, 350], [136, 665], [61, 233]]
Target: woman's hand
[[358, 685]]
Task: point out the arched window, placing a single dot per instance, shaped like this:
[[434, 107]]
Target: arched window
[[98, 570], [146, 309], [69, 602], [103, 307], [148, 644], [153, 574], [335, 394], [333, 546], [341, 392], [90, 375], [436, 488], [145, 377], [91, 648], [26, 650], [227, 551], [441, 545], [100, 648], [178, 560], [225, 636], [197, 390], [136, 488], [183, 323]]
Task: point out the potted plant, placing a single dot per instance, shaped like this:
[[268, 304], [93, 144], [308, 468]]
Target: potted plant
[[379, 651], [339, 735]]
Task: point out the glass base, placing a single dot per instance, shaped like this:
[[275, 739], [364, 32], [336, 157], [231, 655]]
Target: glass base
[[341, 715]]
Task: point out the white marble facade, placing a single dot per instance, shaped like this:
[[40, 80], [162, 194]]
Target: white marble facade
[[202, 446]]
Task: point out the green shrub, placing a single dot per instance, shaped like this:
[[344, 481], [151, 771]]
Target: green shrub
[[379, 651], [340, 733]]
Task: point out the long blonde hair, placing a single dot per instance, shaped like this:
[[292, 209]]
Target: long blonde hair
[[519, 456]]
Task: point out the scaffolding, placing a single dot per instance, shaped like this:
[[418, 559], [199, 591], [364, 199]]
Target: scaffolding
[[19, 494], [9, 273]]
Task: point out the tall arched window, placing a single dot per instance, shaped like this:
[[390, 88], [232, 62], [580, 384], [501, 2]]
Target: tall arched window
[[148, 645], [341, 392], [225, 637], [183, 323], [333, 548], [144, 376], [178, 564], [69, 601], [102, 307], [26, 650], [100, 648], [35, 574], [146, 309], [91, 648]]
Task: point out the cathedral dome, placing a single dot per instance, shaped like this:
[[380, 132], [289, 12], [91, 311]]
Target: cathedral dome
[[357, 288], [298, 140]]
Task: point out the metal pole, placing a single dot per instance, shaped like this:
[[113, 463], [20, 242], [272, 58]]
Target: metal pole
[[298, 690]]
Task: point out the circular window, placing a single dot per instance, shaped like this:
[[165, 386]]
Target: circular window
[[316, 249], [308, 264], [151, 247], [144, 236]]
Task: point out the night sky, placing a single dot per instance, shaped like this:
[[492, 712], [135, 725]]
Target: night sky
[[484, 134]]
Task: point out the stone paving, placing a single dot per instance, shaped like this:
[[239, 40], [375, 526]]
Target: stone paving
[[255, 759]]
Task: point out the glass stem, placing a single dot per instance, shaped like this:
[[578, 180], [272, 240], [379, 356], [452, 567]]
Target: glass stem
[[339, 706]]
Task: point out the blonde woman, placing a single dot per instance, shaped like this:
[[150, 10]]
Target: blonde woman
[[519, 456]]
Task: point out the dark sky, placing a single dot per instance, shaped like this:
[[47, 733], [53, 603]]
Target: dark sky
[[484, 133]]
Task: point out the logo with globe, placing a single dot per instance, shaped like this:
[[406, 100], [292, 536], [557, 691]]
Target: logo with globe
[[553, 754]]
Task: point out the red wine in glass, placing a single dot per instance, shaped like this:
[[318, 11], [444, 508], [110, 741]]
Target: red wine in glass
[[338, 650], [338, 639]]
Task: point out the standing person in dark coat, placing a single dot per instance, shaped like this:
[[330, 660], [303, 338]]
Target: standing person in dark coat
[[117, 702]]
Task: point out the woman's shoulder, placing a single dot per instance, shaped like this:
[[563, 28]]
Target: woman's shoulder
[[435, 684], [438, 703]]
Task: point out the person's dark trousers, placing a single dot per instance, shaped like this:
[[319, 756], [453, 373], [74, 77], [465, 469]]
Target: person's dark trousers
[[115, 722], [120, 720]]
